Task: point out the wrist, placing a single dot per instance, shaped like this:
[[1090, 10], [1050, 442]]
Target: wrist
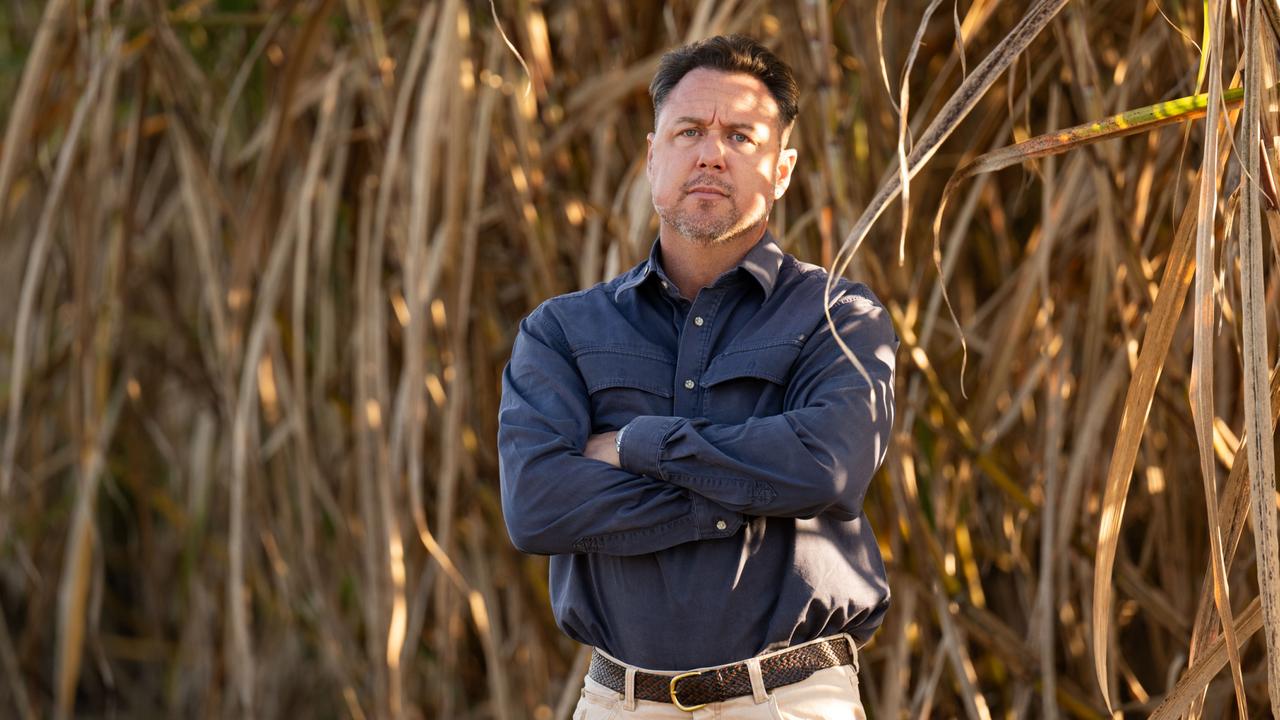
[[643, 442]]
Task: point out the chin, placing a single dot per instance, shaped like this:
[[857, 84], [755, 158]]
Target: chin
[[705, 231], [709, 229], [728, 231], [709, 240], [718, 235]]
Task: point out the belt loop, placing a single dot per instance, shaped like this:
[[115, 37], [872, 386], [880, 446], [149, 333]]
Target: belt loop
[[630, 690], [758, 692], [853, 652]]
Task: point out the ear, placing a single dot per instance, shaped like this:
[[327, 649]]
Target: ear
[[782, 172], [648, 156]]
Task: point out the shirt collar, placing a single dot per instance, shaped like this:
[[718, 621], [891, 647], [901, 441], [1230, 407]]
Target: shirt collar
[[638, 274], [763, 262]]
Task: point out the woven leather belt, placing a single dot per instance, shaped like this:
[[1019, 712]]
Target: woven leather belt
[[690, 691]]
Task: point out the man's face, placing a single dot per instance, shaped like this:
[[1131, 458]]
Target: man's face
[[715, 160]]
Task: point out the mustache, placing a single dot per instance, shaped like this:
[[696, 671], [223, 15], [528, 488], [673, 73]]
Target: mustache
[[707, 181]]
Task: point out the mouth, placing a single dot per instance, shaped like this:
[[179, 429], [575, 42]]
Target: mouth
[[706, 191]]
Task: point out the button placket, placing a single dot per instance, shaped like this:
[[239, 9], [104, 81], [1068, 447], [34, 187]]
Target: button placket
[[694, 346]]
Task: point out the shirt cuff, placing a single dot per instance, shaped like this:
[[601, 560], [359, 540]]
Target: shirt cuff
[[641, 448], [714, 521]]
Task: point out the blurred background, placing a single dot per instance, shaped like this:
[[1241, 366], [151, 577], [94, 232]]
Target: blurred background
[[262, 263]]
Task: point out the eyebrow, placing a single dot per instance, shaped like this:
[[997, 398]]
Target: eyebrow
[[703, 123]]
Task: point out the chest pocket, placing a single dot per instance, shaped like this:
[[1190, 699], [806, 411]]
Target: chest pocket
[[624, 382], [743, 383]]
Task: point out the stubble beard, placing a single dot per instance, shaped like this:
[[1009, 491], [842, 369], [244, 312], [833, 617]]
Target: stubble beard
[[704, 226]]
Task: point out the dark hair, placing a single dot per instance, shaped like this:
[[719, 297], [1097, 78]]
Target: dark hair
[[733, 54]]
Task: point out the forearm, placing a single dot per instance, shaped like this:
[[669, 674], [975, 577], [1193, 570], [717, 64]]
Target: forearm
[[797, 464], [556, 500], [817, 456]]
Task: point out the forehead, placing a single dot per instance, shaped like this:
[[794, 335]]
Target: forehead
[[725, 97]]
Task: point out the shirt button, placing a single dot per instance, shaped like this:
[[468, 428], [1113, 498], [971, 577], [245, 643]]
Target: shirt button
[[664, 285], [688, 384], [721, 525], [698, 321]]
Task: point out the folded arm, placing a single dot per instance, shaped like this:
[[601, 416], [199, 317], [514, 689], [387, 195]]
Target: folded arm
[[818, 456], [556, 500]]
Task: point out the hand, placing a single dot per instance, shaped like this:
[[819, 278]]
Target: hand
[[602, 447]]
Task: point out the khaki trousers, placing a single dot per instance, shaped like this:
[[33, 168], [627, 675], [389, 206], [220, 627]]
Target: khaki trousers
[[830, 694]]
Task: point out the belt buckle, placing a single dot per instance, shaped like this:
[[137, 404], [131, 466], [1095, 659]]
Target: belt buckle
[[676, 700]]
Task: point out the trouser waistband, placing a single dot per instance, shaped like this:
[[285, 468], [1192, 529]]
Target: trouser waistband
[[753, 676]]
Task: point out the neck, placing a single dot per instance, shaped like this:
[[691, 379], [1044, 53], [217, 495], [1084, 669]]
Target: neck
[[693, 266]]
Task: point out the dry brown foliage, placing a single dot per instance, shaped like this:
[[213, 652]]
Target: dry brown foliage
[[261, 266]]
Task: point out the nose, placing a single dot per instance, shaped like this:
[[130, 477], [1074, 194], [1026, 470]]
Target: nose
[[710, 154]]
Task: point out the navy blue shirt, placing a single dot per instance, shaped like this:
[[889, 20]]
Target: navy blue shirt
[[735, 524]]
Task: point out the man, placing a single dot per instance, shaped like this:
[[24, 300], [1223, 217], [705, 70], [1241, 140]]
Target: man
[[688, 441]]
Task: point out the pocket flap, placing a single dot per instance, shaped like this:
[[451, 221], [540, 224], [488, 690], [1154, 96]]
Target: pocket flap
[[772, 363], [637, 368]]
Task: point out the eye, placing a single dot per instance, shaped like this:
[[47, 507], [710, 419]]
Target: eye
[[739, 138], [689, 132]]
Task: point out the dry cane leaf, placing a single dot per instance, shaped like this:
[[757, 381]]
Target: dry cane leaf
[[1130, 122], [40, 248], [1161, 323], [23, 107], [956, 109], [1200, 675], [1261, 453], [1134, 121], [1202, 357], [1233, 510]]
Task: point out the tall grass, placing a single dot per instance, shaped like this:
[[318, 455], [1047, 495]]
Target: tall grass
[[261, 267]]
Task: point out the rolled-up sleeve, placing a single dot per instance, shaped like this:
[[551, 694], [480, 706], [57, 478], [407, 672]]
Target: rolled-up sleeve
[[818, 456], [557, 501]]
